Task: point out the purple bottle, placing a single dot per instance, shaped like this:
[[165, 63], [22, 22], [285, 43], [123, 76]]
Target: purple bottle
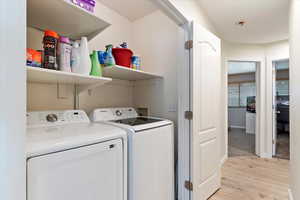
[[64, 54]]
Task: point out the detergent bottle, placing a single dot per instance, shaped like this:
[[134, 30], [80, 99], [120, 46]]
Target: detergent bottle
[[96, 67], [109, 60]]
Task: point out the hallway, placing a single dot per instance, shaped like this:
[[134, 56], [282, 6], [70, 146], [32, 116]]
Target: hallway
[[240, 143], [253, 178]]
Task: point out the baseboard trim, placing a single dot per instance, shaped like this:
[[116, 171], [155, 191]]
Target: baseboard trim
[[290, 194], [223, 160], [265, 155], [240, 127]]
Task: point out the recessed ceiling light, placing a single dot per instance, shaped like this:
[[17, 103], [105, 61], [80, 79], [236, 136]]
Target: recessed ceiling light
[[240, 23]]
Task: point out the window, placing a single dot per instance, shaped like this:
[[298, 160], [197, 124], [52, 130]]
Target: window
[[238, 93], [238, 67], [233, 95], [282, 87], [246, 90]]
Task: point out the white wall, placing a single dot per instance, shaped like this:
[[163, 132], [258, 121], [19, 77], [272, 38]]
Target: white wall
[[263, 54], [157, 44], [295, 98], [13, 102], [118, 93]]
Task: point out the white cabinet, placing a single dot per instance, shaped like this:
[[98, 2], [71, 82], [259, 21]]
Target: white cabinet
[[250, 122]]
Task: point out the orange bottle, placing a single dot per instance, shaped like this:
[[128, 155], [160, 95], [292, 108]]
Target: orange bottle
[[50, 42]]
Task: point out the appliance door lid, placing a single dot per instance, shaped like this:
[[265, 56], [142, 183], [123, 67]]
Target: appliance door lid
[[92, 172], [142, 123], [137, 121]]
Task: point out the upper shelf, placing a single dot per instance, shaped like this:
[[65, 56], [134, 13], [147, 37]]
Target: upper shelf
[[64, 18], [125, 73], [42, 75]]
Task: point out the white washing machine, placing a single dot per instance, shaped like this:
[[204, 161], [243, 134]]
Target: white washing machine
[[69, 158], [150, 152]]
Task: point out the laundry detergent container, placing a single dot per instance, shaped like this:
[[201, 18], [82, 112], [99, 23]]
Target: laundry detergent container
[[122, 56]]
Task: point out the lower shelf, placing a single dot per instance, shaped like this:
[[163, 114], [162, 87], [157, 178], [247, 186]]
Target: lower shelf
[[42, 75], [125, 73]]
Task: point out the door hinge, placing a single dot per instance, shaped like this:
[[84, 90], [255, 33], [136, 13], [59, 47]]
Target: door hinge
[[273, 141], [188, 185], [188, 115], [188, 44]]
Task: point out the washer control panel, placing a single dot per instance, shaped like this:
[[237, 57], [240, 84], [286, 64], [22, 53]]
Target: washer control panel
[[54, 118], [108, 114]]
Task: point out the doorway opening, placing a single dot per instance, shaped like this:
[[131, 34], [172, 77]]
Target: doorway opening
[[281, 107], [242, 86]]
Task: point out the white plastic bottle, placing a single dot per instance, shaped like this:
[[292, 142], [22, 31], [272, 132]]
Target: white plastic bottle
[[75, 58], [85, 60]]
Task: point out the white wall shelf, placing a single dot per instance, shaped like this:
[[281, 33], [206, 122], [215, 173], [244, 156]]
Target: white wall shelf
[[42, 75], [64, 18], [125, 73]]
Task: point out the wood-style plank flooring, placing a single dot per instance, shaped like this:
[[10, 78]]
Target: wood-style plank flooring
[[283, 145], [240, 143], [253, 178]]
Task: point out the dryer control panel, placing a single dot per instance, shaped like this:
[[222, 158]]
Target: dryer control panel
[[54, 118]]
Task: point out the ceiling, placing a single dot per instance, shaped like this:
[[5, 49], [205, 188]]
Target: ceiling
[[266, 20], [131, 9]]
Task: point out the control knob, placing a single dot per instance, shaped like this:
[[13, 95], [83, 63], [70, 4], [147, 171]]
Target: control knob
[[52, 118], [118, 113]]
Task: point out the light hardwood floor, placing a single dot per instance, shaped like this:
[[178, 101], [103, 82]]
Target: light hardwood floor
[[240, 143], [253, 178]]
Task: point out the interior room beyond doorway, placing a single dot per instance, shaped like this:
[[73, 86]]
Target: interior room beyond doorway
[[281, 119], [241, 108]]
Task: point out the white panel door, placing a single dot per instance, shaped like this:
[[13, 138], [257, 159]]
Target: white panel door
[[91, 173], [205, 91]]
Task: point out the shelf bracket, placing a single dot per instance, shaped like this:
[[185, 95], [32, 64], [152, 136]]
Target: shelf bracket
[[84, 88], [78, 89], [76, 98]]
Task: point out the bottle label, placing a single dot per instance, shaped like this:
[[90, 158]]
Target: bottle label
[[50, 45]]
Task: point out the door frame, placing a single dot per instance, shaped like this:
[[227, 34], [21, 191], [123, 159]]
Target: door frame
[[184, 125], [184, 101], [259, 123]]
